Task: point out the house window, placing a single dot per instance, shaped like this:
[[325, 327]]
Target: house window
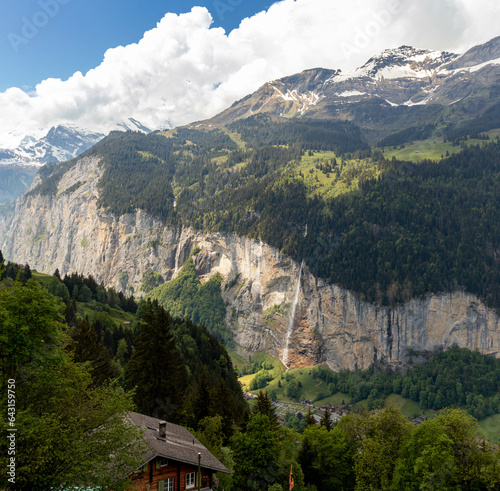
[[161, 462], [166, 485], [190, 480]]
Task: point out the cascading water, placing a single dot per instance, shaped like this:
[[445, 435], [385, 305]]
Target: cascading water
[[291, 318], [178, 254]]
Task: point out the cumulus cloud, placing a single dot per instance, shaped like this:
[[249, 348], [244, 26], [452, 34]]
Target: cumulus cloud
[[184, 70]]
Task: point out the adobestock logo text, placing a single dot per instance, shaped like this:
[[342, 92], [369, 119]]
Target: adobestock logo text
[[33, 24]]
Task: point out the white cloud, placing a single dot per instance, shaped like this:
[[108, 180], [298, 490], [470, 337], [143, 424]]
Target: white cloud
[[183, 70]]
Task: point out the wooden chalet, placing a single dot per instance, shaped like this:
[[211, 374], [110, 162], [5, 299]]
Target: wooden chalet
[[171, 464]]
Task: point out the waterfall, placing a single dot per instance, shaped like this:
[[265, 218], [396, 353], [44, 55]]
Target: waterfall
[[291, 318], [178, 254]]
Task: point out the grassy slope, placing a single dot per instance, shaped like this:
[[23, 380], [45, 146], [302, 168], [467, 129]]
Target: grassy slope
[[432, 148], [490, 427], [311, 388], [408, 407], [328, 185], [118, 316], [42, 278]]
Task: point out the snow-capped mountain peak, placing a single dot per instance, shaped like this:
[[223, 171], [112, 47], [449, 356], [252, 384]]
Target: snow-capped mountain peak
[[132, 124], [403, 82], [403, 62], [24, 155], [61, 143]]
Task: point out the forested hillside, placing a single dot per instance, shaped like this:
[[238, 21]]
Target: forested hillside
[[115, 333], [386, 229], [453, 378]]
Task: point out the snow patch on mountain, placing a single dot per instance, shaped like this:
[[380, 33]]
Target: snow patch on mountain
[[351, 93], [476, 68], [405, 62], [308, 99]]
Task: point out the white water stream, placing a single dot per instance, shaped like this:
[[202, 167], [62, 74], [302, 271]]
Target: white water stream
[[178, 254], [291, 318]]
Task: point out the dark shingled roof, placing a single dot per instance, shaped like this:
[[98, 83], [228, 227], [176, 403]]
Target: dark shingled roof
[[179, 444]]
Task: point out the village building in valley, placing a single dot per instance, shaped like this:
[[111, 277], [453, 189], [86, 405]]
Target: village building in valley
[[171, 462]]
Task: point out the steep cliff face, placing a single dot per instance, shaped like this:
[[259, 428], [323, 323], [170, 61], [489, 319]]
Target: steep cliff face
[[69, 231]]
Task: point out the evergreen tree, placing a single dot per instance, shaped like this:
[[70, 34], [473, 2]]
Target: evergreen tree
[[327, 459], [70, 428], [326, 420], [202, 400], [156, 369], [87, 347], [264, 405], [309, 418]]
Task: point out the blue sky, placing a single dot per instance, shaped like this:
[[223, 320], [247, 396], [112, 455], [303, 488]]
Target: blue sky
[[96, 64], [73, 35]]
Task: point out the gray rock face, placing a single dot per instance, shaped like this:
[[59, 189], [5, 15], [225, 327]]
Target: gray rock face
[[331, 325], [13, 179], [478, 54]]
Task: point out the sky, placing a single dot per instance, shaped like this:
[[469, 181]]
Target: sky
[[95, 64]]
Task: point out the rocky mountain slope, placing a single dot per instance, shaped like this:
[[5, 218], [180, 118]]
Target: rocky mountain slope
[[14, 178], [396, 89], [18, 165], [71, 232]]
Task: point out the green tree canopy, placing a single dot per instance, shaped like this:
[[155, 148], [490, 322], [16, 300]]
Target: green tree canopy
[[255, 455], [326, 459], [384, 434], [69, 433], [446, 453], [156, 369]]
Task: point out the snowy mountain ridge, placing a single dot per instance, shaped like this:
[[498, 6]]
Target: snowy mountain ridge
[[405, 76], [60, 143], [19, 163]]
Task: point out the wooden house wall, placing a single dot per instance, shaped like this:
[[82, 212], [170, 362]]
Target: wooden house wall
[[176, 470]]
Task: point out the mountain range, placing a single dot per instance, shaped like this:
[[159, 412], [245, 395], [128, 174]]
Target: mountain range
[[319, 240], [18, 165], [394, 90]]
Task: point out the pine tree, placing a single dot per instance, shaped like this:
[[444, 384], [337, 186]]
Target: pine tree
[[87, 347], [27, 271], [156, 369], [222, 405], [264, 405], [326, 420], [201, 403], [309, 418]]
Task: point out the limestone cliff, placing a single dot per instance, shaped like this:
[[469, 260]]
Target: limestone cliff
[[70, 232]]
